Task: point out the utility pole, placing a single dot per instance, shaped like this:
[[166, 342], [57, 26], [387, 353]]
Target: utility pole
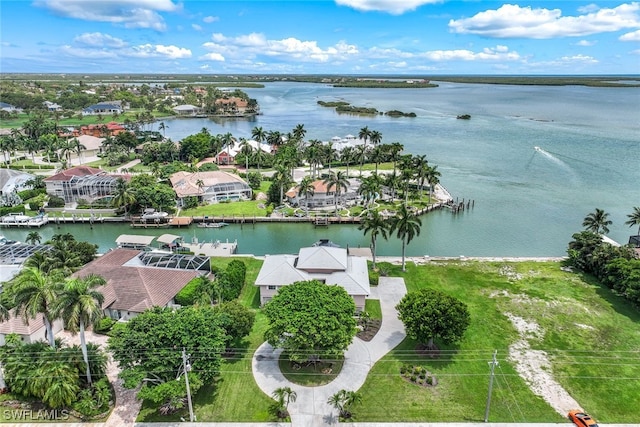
[[187, 368], [493, 365]]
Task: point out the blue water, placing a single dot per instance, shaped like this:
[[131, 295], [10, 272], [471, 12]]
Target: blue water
[[527, 202]]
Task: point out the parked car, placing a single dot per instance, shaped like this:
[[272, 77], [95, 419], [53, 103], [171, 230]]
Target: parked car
[[581, 419]]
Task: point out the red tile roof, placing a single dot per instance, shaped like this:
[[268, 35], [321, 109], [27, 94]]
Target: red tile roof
[[67, 174], [135, 288]]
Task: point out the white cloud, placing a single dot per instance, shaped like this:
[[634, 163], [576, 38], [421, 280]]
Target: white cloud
[[210, 19], [394, 7], [585, 43], [86, 53], [635, 52], [498, 53], [633, 36], [575, 62], [150, 51], [588, 8], [524, 22], [213, 56], [255, 44], [129, 13], [99, 40]]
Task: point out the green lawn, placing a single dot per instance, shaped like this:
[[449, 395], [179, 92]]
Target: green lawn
[[372, 306], [591, 338], [249, 208], [235, 396]]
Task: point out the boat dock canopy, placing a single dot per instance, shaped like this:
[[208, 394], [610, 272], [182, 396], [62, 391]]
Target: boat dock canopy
[[168, 238], [134, 241]]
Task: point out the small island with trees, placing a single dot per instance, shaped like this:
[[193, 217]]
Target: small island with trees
[[345, 107]]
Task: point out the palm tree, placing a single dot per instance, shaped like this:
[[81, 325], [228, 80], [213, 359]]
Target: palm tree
[[123, 194], [364, 134], [329, 154], [299, 132], [346, 156], [343, 400], [78, 148], [258, 134], [36, 294], [433, 178], [370, 188], [394, 152], [361, 155], [57, 383], [597, 222], [407, 225], [33, 238], [200, 185], [284, 396], [163, 127], [246, 149], [306, 188], [80, 305], [634, 218], [376, 225], [337, 182], [375, 137]]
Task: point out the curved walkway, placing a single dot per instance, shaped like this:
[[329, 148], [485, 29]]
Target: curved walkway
[[311, 408]]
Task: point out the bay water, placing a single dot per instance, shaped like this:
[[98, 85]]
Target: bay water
[[527, 202]]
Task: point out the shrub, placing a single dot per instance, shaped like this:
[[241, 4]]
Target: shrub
[[55, 202], [374, 276], [188, 294], [413, 378], [232, 280], [104, 325]]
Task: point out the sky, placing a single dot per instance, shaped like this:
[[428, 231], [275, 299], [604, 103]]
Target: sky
[[361, 37]]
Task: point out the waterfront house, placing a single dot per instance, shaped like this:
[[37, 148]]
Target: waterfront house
[[322, 195], [30, 332], [136, 282], [102, 130], [92, 145], [232, 105], [227, 156], [82, 182], [329, 265], [209, 187], [109, 107], [11, 182], [187, 110]]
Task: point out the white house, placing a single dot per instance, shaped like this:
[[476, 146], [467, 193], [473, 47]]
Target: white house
[[29, 333], [187, 110], [210, 187], [329, 265], [322, 195], [11, 182], [110, 107]]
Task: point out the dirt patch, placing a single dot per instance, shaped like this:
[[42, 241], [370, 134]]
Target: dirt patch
[[429, 351], [372, 329], [534, 367]]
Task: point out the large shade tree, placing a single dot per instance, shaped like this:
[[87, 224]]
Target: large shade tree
[[311, 320], [149, 347], [428, 314]]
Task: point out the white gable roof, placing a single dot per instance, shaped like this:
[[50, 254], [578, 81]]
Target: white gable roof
[[353, 274], [280, 270], [322, 258]]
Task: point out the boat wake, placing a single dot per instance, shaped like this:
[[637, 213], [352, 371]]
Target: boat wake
[[547, 155]]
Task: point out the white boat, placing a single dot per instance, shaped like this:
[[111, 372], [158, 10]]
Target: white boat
[[5, 241], [212, 224], [153, 214], [325, 242]]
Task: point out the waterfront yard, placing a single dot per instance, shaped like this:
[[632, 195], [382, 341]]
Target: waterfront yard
[[589, 335]]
